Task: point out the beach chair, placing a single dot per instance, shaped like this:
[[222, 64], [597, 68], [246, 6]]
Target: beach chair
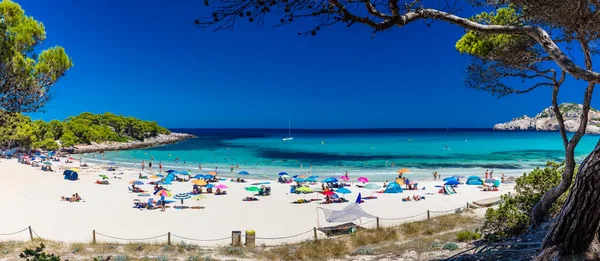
[[150, 205]]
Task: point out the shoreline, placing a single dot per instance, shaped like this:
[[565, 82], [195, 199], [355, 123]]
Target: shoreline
[[161, 139]]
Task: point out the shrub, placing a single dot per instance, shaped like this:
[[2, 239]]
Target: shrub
[[512, 217], [235, 251], [436, 244], [121, 258], [467, 235], [38, 254], [450, 246], [364, 251], [162, 258]]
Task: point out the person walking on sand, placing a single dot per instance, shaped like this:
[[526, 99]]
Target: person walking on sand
[[162, 203], [150, 165], [143, 165], [486, 174], [491, 174], [434, 175]]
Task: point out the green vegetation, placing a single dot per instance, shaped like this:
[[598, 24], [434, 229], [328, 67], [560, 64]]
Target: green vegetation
[[81, 129], [26, 75], [467, 235], [512, 217], [38, 254]]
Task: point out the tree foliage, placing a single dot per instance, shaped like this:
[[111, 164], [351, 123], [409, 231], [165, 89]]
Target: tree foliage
[[513, 216], [26, 76], [38, 254], [84, 128]]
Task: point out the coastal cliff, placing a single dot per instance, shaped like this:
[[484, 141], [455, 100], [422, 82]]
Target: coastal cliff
[[160, 139], [546, 120]]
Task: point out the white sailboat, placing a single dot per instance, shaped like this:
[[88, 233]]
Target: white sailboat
[[289, 137]]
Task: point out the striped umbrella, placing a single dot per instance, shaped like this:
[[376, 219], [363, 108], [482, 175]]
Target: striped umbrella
[[182, 196]]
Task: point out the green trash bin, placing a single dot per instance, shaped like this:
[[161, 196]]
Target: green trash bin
[[250, 238]]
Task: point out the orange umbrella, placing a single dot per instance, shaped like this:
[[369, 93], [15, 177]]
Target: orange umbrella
[[403, 170], [199, 182], [212, 173]]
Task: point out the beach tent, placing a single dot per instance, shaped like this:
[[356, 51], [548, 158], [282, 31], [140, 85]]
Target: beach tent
[[393, 188], [170, 178], [474, 180], [452, 182], [348, 214], [70, 175]]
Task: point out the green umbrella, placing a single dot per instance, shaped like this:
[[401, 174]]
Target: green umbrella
[[198, 198], [252, 189], [103, 176], [47, 163], [304, 190]]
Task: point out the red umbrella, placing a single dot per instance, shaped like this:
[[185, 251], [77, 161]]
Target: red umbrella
[[328, 193]]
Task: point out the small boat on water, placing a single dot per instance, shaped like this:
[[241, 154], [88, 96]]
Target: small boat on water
[[289, 137]]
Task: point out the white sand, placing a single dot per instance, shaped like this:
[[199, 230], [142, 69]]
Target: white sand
[[31, 197]]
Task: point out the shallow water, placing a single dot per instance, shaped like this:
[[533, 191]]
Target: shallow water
[[368, 153]]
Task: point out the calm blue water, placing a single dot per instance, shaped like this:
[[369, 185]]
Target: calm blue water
[[360, 152]]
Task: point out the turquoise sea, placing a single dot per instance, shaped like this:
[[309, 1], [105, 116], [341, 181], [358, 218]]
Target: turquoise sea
[[368, 153]]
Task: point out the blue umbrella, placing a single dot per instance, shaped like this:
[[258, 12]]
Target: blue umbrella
[[452, 182], [329, 180], [343, 191], [243, 172], [199, 176], [311, 179], [112, 163], [182, 196], [314, 176], [43, 157], [208, 176], [299, 180], [449, 178], [169, 171], [160, 175], [295, 176], [282, 173], [210, 186], [138, 183]]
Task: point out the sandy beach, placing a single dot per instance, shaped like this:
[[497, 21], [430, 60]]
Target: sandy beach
[[33, 198]]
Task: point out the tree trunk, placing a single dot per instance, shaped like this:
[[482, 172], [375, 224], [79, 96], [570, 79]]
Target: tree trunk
[[577, 224]]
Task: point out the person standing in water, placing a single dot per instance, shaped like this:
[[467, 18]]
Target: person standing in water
[[200, 166], [160, 167], [486, 174], [143, 165]]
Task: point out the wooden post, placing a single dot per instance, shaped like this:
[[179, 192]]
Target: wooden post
[[315, 233], [94, 236], [377, 222], [467, 205], [169, 238], [428, 214], [30, 233]]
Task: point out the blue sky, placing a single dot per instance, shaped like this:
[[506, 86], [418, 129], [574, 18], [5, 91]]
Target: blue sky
[[145, 59]]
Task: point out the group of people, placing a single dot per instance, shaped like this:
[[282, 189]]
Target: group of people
[[74, 198]]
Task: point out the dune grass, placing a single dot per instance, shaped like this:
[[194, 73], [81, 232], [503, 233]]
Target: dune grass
[[415, 236]]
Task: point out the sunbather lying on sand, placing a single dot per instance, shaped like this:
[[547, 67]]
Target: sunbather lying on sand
[[104, 182], [250, 199], [74, 198]]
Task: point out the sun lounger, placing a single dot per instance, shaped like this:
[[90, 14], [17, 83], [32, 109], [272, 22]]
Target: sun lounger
[[301, 201], [196, 207], [346, 228], [370, 197], [150, 205]]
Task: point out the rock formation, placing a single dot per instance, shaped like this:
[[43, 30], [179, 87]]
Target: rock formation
[[546, 120]]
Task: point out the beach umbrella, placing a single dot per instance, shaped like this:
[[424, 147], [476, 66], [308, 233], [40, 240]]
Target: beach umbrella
[[199, 176], [169, 171], [328, 193], [252, 189], [343, 191], [47, 163], [371, 186], [243, 172], [299, 180], [74, 169], [198, 198], [284, 176], [138, 183], [344, 178], [210, 186], [163, 192], [304, 190], [363, 179], [452, 182], [282, 173], [199, 182], [208, 176], [221, 186], [160, 175], [403, 170], [102, 176], [212, 173], [449, 179], [329, 180], [318, 189], [153, 177], [311, 179], [182, 196]]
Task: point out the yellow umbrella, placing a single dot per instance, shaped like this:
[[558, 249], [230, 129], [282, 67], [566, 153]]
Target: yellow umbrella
[[403, 170], [212, 173], [199, 182], [154, 177], [75, 169]]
